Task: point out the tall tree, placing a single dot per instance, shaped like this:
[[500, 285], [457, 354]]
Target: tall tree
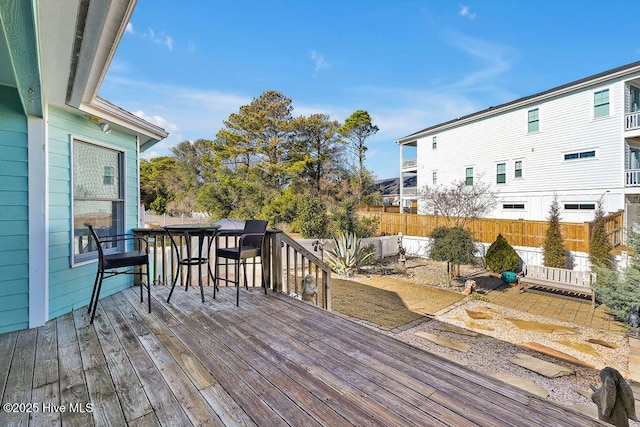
[[356, 129], [553, 246], [599, 245], [315, 146]]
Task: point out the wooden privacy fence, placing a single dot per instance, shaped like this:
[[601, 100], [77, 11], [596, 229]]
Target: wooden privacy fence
[[517, 232]]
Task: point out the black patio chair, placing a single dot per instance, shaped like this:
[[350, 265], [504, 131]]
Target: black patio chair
[[113, 263], [249, 246]]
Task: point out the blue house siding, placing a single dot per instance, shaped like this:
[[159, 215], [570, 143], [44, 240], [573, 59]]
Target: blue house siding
[[14, 225], [70, 287]]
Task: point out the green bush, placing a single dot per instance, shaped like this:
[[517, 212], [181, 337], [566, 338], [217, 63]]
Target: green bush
[[311, 219], [501, 256]]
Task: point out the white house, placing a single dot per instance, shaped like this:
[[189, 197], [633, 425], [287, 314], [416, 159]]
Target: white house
[[580, 141]]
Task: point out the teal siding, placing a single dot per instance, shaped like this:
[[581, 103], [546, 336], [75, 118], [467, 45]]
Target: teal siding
[[14, 215], [70, 287]]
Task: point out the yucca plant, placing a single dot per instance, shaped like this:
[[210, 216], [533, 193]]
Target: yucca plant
[[348, 255]]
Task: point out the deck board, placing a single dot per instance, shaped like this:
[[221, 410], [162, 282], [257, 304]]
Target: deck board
[[273, 361]]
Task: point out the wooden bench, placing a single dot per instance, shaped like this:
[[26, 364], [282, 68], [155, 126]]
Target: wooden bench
[[558, 279]]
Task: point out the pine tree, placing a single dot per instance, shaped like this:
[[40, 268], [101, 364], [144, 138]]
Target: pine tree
[[553, 247], [599, 245], [621, 290]]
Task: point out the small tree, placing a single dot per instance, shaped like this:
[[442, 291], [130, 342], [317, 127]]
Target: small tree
[[619, 291], [459, 202], [311, 220], [454, 245], [501, 256], [553, 247], [599, 245]]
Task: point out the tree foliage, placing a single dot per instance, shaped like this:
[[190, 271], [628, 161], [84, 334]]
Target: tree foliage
[[599, 245], [356, 129], [501, 256], [455, 245], [621, 290], [553, 246], [459, 202]]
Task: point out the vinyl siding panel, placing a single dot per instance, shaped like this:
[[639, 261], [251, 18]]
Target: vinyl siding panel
[[70, 287], [14, 225], [567, 125]]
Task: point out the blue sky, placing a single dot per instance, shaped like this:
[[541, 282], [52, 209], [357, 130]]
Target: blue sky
[[187, 65]]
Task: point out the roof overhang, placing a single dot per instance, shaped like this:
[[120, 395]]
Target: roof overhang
[[59, 52]]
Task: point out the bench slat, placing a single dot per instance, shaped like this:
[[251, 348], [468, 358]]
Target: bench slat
[[560, 279]]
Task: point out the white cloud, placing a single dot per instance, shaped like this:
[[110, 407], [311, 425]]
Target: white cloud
[[161, 38], [319, 61], [466, 12], [129, 28]]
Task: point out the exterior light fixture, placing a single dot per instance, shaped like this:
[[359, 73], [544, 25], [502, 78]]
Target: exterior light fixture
[[105, 127]]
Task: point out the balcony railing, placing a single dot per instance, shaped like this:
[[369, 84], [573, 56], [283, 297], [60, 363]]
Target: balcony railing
[[409, 191], [284, 264], [632, 121], [632, 177], [409, 163]]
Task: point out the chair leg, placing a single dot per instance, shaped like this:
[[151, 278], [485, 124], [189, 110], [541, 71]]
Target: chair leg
[[93, 292], [95, 303], [200, 280], [148, 287], [141, 284], [237, 283], [173, 285], [244, 268]]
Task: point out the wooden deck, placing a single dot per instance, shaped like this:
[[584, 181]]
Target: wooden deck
[[273, 361]]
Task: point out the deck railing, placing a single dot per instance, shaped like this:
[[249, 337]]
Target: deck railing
[[283, 265], [632, 121], [409, 163]]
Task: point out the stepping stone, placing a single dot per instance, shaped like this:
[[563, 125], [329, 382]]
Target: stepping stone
[[447, 327], [547, 369], [590, 411], [488, 309], [523, 384], [602, 343], [534, 326], [476, 325], [446, 342], [555, 353], [477, 315], [581, 347]]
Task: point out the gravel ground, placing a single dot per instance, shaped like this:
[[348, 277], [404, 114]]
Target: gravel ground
[[491, 351]]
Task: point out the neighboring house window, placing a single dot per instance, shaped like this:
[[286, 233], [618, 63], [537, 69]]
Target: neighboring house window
[[601, 103], [468, 176], [580, 206], [434, 177], [513, 206], [517, 168], [635, 99], [98, 195], [501, 173], [533, 121], [580, 155], [434, 143]]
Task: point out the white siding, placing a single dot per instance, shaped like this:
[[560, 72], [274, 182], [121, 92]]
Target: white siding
[[567, 125]]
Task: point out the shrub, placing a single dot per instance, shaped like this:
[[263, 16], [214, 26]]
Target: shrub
[[348, 255], [501, 256], [453, 245], [553, 246], [311, 219], [599, 246]]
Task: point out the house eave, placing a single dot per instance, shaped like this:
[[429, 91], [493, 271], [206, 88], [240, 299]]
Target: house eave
[[587, 82]]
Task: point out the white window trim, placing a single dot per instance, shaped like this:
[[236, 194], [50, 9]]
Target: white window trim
[[582, 150], [593, 104], [506, 172], [473, 169], [522, 168], [73, 138], [533, 132]]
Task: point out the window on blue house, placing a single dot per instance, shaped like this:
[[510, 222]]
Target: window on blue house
[[601, 103], [533, 121], [98, 195]]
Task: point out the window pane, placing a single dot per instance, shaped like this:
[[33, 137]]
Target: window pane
[[601, 103], [90, 163], [469, 176], [587, 154], [105, 216]]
